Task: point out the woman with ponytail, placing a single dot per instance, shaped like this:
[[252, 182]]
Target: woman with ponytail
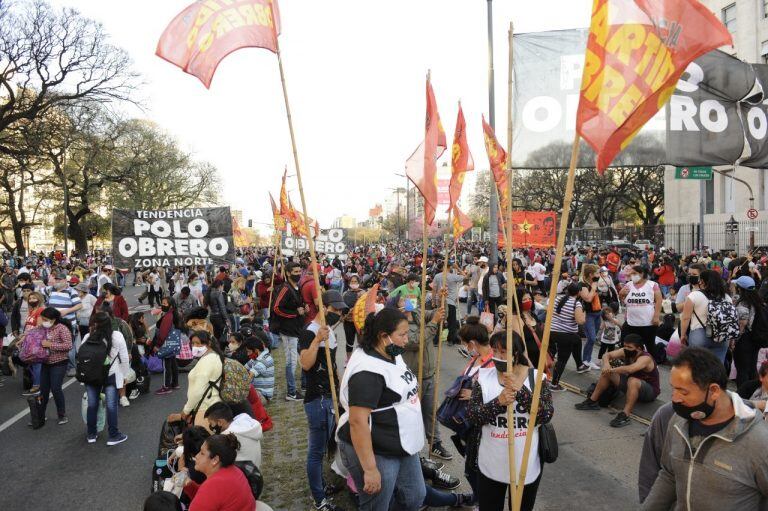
[[569, 314], [381, 432], [225, 487]]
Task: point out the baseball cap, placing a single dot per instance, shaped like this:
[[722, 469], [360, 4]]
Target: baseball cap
[[334, 299], [73, 281], [483, 259], [745, 282], [108, 267], [603, 268]]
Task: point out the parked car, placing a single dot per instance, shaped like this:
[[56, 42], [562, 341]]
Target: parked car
[[643, 245]]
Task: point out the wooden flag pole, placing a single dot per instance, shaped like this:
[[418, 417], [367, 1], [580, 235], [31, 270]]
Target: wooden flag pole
[[274, 271], [423, 296], [310, 239], [511, 289], [436, 380], [550, 310]]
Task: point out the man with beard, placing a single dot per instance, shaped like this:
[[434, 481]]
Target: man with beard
[[638, 378], [714, 447]]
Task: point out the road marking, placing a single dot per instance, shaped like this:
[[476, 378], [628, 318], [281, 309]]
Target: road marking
[[10, 422], [577, 390]]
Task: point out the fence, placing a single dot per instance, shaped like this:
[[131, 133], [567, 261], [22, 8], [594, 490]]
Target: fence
[[684, 237], [631, 233]]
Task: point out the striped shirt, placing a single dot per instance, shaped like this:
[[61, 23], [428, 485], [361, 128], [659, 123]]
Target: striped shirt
[[64, 299], [263, 371], [565, 320]]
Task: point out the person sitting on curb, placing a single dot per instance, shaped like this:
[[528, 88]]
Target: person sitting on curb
[[221, 421], [638, 378]]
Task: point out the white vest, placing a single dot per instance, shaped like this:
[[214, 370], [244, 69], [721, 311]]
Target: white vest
[[399, 379], [640, 304], [493, 453]]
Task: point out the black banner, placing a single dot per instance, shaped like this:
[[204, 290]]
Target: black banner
[[716, 115], [177, 237]]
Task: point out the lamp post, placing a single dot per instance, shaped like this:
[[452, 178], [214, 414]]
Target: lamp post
[[493, 225], [407, 205]]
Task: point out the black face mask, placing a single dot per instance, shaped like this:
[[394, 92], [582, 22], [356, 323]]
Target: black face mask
[[294, 278], [500, 364], [699, 412], [693, 279], [165, 308], [216, 429], [331, 318], [629, 354]]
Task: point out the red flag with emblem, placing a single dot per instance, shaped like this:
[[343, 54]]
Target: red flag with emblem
[[277, 219], [461, 223], [199, 37], [461, 159], [297, 222], [285, 206], [497, 157], [421, 167], [636, 52]]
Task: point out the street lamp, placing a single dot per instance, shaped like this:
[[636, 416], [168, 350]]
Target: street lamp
[[407, 205]]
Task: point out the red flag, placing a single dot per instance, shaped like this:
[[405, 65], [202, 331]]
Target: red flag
[[285, 206], [497, 157], [636, 52], [277, 219], [461, 159], [297, 222], [421, 167], [461, 223], [207, 31]]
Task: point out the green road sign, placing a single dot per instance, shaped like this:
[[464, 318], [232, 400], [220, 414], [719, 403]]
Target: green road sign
[[693, 173]]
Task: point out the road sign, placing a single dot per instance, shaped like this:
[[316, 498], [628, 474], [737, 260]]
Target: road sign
[[693, 172], [752, 213]]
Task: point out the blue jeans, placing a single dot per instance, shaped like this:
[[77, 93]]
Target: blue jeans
[[321, 420], [591, 326], [698, 339], [51, 380], [110, 391], [664, 290], [290, 345], [35, 370], [471, 300], [402, 483], [439, 498]]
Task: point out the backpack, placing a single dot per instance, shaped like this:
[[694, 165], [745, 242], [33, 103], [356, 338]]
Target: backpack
[[722, 321], [172, 345], [234, 383], [453, 412], [253, 476], [92, 367]]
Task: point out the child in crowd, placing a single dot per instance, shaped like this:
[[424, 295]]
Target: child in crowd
[[262, 366], [610, 330]]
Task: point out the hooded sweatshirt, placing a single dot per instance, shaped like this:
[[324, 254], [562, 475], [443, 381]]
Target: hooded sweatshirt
[[248, 433], [411, 355], [729, 469]]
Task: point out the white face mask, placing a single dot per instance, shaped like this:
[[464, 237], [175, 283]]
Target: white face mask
[[198, 351], [636, 278], [354, 286], [46, 324]]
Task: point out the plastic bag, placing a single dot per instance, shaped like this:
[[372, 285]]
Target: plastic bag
[[101, 417]]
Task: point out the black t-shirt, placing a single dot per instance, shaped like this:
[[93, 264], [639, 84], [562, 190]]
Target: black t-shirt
[[368, 390], [587, 306], [697, 429], [318, 384]]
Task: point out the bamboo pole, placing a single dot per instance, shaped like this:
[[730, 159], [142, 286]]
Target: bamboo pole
[[511, 290], [310, 239], [436, 381], [423, 297], [274, 271], [550, 310]]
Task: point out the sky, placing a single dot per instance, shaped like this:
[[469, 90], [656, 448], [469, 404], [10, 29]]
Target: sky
[[355, 72]]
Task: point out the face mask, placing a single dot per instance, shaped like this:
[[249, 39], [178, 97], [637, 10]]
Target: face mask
[[47, 324], [354, 286], [331, 318], [165, 308], [693, 279], [635, 278], [697, 413], [294, 278], [526, 305], [629, 354], [59, 285], [253, 356], [393, 350], [34, 304], [473, 350], [198, 351], [233, 347], [216, 429], [501, 364]]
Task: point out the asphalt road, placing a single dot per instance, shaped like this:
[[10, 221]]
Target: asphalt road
[[55, 469]]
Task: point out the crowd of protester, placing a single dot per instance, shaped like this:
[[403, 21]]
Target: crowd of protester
[[619, 313]]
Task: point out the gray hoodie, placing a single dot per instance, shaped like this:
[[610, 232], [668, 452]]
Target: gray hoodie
[[729, 470], [411, 355], [248, 433]]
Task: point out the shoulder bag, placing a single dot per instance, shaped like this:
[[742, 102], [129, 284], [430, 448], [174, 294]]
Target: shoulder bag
[[547, 436]]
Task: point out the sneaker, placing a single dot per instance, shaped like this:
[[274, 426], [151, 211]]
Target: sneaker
[[92, 439], [583, 368], [31, 392], [134, 394], [465, 499], [163, 391], [592, 365], [71, 373], [332, 489], [441, 452], [118, 439], [621, 420], [556, 387], [429, 464], [296, 396], [587, 404], [176, 387], [62, 420], [328, 505], [463, 351], [124, 401], [443, 481]]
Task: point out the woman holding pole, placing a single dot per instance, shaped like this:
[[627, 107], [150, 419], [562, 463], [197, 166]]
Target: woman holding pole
[[495, 390]]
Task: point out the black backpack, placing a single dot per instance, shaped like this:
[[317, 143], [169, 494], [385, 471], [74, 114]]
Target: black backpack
[[91, 368], [253, 475], [758, 332]]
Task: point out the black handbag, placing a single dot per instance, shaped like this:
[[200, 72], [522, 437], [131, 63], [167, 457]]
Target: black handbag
[[547, 436]]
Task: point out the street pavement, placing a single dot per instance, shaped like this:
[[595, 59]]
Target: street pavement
[[54, 468]]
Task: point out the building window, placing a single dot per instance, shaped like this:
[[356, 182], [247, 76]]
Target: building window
[[729, 18], [709, 197]]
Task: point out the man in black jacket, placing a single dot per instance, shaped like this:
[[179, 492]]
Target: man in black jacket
[[288, 311]]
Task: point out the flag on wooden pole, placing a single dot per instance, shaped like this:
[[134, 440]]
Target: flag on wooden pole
[[285, 206], [497, 157], [636, 52], [461, 159], [204, 33], [421, 167], [277, 219], [461, 223]]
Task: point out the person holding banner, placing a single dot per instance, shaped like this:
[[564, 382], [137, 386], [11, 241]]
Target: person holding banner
[[487, 452]]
